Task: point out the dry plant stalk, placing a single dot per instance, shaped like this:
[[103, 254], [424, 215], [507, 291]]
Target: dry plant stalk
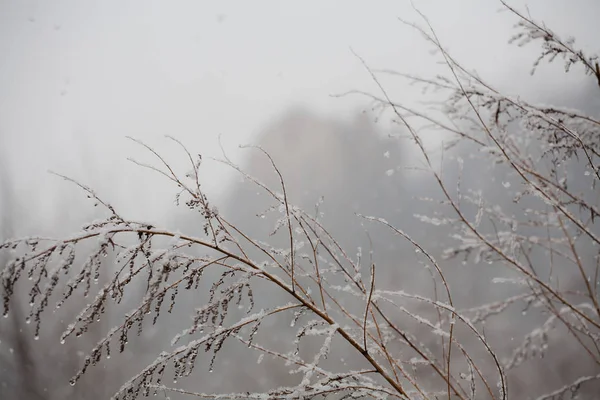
[[523, 137]]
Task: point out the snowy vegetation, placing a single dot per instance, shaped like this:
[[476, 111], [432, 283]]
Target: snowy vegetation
[[341, 330]]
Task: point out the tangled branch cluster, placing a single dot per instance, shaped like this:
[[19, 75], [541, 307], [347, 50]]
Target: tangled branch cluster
[[335, 297]]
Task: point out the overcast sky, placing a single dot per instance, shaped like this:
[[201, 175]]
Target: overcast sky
[[77, 76]]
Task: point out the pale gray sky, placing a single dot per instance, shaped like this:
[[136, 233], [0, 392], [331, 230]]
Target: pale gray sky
[[77, 76]]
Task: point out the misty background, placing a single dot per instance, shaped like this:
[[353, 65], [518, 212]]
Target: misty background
[[77, 77]]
